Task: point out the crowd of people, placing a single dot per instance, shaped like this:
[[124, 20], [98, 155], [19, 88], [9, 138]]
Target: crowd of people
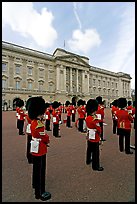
[[37, 116]]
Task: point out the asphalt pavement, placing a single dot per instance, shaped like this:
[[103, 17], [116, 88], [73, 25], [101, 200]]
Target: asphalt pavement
[[68, 178]]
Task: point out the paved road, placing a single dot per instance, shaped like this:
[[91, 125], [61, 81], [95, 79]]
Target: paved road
[[68, 178]]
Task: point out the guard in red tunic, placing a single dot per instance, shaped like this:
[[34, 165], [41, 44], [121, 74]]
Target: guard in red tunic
[[81, 114], [21, 117], [100, 115], [68, 109], [55, 118], [129, 107], [73, 111], [39, 143], [93, 135], [28, 133], [47, 116], [114, 108], [124, 120], [133, 113]]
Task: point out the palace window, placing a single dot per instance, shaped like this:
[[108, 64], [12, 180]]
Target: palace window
[[29, 70], [4, 83], [4, 67], [29, 85], [18, 69], [17, 84], [94, 80], [41, 73]]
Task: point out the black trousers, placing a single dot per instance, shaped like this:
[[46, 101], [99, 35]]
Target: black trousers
[[56, 130], [101, 125], [28, 154], [47, 125], [68, 122], [20, 126], [17, 123], [124, 137], [73, 117], [114, 126], [93, 150], [81, 124], [38, 177]]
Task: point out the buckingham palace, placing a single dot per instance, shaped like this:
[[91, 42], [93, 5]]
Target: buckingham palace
[[60, 76]]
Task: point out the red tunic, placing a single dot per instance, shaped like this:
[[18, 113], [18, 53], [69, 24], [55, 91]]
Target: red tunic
[[47, 114], [17, 110], [100, 111], [124, 119], [68, 109], [38, 131], [21, 114], [93, 123], [113, 111], [81, 111], [55, 117], [73, 109]]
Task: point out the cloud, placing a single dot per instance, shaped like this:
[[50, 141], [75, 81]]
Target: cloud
[[76, 14], [84, 41], [25, 20]]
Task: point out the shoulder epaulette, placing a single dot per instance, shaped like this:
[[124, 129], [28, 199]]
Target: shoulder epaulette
[[40, 124]]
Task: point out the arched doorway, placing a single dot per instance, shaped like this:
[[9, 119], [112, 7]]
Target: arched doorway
[[15, 103]]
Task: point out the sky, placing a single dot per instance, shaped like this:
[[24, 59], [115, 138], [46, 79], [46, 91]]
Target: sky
[[102, 31]]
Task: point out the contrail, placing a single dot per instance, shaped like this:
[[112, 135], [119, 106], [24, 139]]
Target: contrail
[[76, 15]]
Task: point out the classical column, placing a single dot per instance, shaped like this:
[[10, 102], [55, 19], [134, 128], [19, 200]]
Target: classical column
[[71, 80], [64, 68], [24, 73], [35, 85], [57, 78], [83, 81], [77, 80], [88, 83], [120, 88], [129, 90], [11, 71]]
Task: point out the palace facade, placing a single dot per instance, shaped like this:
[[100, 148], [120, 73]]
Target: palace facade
[[61, 76]]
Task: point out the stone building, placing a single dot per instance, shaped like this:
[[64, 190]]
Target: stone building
[[61, 76]]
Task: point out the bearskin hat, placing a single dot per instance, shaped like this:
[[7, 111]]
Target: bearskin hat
[[55, 104], [99, 100], [74, 101], [47, 105], [122, 102], [67, 103], [84, 102], [129, 103], [80, 102], [91, 106], [20, 103], [36, 107], [115, 103], [28, 103]]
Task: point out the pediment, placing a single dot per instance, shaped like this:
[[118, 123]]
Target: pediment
[[72, 59]]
